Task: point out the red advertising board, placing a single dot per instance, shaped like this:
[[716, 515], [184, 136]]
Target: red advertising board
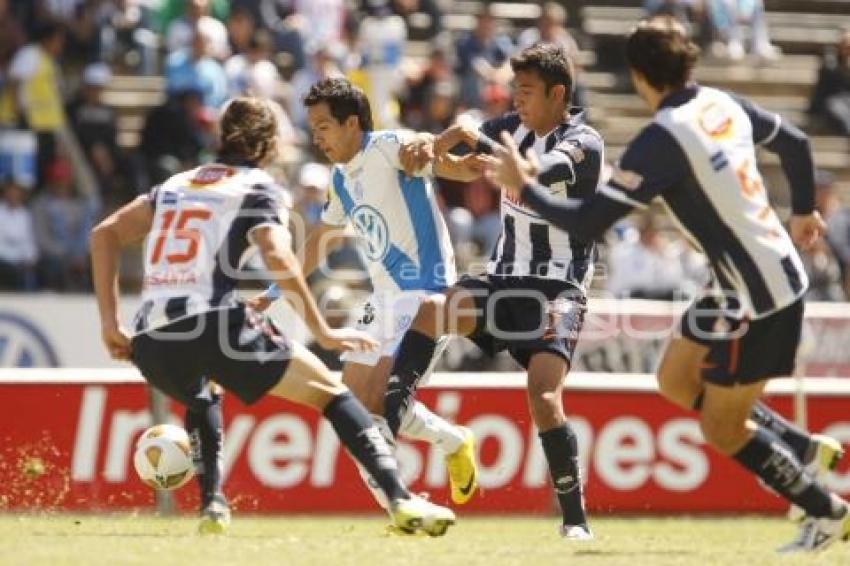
[[69, 446]]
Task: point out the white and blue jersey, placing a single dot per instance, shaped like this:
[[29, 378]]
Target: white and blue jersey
[[405, 238]]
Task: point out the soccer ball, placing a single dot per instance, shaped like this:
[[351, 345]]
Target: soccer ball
[[163, 457]]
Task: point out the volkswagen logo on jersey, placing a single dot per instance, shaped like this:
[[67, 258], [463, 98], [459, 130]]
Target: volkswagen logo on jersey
[[23, 345], [373, 227]]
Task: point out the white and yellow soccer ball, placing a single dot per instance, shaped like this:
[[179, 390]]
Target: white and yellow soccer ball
[[163, 457]]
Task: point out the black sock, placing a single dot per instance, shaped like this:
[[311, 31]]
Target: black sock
[[204, 423], [561, 449], [364, 442], [412, 360], [768, 457], [799, 441]]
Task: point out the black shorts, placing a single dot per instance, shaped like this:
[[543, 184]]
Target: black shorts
[[238, 348], [526, 315], [742, 351]]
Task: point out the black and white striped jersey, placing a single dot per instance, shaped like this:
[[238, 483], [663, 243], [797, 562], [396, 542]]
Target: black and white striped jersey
[[203, 219], [572, 155], [699, 156]]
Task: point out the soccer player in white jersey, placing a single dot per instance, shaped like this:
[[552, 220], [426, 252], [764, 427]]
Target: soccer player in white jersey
[[532, 299], [698, 157], [407, 246], [198, 225]]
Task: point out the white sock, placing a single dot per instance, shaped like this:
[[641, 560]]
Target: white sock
[[419, 423]]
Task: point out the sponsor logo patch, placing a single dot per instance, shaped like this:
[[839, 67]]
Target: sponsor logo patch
[[572, 149], [212, 174]]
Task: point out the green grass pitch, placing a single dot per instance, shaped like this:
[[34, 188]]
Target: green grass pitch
[[319, 540]]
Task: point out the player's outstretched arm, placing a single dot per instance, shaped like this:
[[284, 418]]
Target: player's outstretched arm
[[265, 299], [320, 242], [272, 243], [464, 168], [795, 155], [792, 147], [586, 219], [126, 226]]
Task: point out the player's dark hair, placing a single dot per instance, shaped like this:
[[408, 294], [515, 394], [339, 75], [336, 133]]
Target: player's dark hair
[[248, 131], [659, 49], [551, 63], [343, 99]]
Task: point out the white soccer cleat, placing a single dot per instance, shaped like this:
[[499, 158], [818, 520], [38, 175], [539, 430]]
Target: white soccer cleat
[[576, 532], [828, 453], [415, 515], [816, 535]]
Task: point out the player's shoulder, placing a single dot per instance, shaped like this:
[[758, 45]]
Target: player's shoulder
[[509, 121], [260, 185], [382, 139], [577, 138], [384, 144], [576, 125]]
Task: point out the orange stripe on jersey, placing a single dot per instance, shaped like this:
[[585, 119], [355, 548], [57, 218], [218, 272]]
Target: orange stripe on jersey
[[734, 346]]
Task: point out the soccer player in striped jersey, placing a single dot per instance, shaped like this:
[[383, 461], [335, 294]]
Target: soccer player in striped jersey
[[408, 252], [532, 300], [198, 225], [698, 156]]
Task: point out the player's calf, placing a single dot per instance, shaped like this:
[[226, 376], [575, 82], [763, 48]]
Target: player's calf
[[561, 449], [205, 425]]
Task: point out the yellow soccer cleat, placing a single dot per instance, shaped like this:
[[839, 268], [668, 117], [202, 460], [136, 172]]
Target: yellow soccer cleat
[[828, 454], [463, 472], [215, 518], [417, 515]]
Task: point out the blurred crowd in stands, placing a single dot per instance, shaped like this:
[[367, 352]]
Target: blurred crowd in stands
[[63, 167]]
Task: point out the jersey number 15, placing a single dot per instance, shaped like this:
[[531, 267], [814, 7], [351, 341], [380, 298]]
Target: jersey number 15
[[180, 232]]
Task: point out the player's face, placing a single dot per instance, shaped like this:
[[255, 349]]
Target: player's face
[[339, 142], [534, 105]]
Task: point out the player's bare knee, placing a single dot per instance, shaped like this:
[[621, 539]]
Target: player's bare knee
[[374, 403], [725, 434], [546, 408], [428, 318]]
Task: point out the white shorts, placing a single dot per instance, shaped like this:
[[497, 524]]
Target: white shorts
[[386, 316]]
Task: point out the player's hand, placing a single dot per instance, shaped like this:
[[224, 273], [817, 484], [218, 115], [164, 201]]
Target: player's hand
[[416, 154], [259, 303], [476, 162], [508, 169], [117, 341], [460, 132], [347, 340], [807, 229]]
